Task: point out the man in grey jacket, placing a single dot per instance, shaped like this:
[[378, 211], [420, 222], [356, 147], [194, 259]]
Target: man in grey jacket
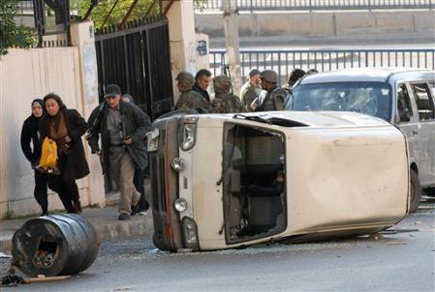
[[123, 127]]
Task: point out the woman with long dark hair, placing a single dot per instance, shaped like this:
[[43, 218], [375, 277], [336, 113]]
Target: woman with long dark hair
[[65, 127]]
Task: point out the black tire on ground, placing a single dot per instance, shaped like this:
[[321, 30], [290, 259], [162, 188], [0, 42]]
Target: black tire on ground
[[415, 192]]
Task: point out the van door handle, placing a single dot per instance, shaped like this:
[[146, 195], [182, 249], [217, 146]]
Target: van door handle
[[414, 132]]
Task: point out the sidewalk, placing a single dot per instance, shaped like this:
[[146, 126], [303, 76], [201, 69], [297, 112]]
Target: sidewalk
[[105, 221]]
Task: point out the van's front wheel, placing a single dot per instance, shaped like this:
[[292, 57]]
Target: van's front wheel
[[415, 192]]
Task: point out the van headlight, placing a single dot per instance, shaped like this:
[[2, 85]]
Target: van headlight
[[190, 233], [188, 133], [177, 164], [180, 205]]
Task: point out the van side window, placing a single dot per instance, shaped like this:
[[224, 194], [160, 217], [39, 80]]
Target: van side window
[[424, 102], [404, 107]]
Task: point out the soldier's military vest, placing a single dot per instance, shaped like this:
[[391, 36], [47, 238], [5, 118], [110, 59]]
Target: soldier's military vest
[[193, 100], [274, 100], [226, 103]]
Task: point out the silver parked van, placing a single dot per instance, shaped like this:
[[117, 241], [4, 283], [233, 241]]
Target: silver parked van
[[403, 97]]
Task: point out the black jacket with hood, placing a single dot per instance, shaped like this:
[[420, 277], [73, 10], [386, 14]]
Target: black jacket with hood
[[30, 139]]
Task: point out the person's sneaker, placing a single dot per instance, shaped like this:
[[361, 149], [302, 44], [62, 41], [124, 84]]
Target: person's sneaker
[[124, 216], [143, 213]]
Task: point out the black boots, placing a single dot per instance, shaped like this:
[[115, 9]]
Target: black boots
[[77, 207]]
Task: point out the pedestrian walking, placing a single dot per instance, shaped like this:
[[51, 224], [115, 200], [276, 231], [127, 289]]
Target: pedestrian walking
[[250, 90], [224, 101], [31, 147], [190, 99], [65, 127], [202, 82], [123, 127], [273, 97], [139, 175]]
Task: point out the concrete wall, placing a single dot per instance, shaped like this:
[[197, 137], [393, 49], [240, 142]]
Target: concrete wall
[[182, 39], [24, 75], [321, 23]]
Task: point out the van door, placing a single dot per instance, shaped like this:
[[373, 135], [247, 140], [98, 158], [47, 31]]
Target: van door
[[407, 120], [425, 131]]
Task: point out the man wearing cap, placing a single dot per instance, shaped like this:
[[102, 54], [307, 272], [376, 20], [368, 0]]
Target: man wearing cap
[[123, 127], [224, 101], [190, 99], [250, 90], [272, 98]]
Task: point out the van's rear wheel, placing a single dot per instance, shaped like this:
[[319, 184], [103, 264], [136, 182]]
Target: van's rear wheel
[[415, 192]]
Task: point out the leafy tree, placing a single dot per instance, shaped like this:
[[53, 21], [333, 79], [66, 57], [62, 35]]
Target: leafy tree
[[11, 34], [100, 12]]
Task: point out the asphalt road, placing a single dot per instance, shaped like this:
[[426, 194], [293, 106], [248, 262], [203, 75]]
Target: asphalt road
[[384, 262]]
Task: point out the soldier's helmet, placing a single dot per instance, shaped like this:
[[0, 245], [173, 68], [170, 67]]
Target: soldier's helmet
[[270, 76], [186, 79], [222, 84]]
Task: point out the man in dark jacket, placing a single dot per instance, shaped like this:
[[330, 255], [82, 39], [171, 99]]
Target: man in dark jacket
[[31, 146], [202, 81], [123, 127]]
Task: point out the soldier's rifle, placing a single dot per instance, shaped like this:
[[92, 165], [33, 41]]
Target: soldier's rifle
[[91, 132], [225, 68]]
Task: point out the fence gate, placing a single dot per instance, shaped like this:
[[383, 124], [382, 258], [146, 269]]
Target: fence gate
[[137, 58]]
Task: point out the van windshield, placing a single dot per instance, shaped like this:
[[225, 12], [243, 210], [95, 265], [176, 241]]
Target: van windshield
[[371, 98]]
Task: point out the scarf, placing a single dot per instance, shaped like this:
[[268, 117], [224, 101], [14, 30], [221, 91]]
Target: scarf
[[58, 132]]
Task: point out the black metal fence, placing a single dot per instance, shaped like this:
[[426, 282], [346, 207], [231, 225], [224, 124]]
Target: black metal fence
[[284, 61], [318, 5], [137, 58]]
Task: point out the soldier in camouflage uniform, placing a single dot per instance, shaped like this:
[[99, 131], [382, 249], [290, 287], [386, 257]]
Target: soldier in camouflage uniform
[[272, 98], [250, 90], [224, 101], [190, 99]]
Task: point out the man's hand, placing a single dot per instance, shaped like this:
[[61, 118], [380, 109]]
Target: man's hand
[[128, 141]]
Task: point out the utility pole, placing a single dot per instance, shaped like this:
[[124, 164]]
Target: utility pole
[[231, 26]]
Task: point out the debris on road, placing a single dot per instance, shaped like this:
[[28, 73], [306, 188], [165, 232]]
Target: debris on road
[[4, 256], [42, 278], [396, 243]]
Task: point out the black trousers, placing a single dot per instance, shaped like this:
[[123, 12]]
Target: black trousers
[[66, 189], [40, 191], [64, 186], [139, 183]]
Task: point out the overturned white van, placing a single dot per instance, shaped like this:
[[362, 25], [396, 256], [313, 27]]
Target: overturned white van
[[223, 181]]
